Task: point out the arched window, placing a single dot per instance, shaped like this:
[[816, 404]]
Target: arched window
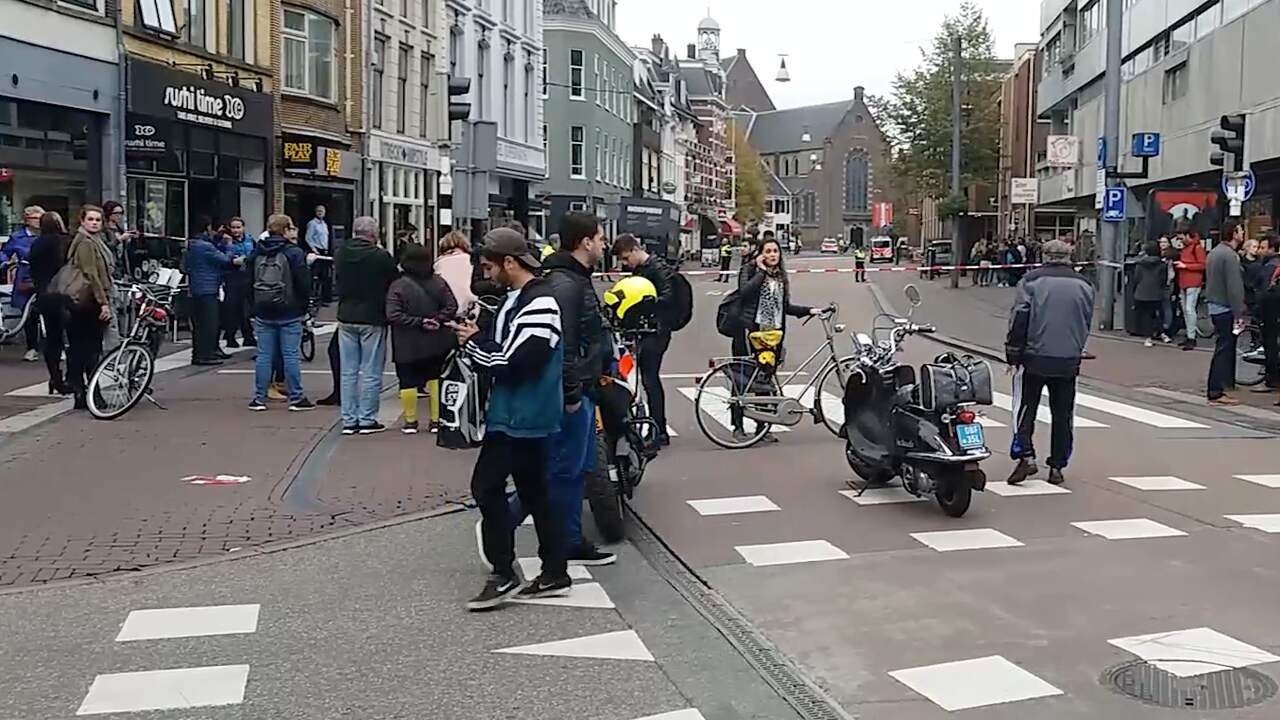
[[855, 182]]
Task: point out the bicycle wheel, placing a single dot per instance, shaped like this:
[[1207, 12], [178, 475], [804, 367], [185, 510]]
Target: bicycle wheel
[[120, 381], [1249, 374], [1204, 324], [831, 393], [721, 396]]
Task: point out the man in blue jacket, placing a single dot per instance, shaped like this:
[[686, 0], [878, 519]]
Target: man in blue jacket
[[207, 261], [15, 251], [279, 285], [524, 355]]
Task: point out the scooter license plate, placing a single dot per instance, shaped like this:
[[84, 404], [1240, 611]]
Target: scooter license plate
[[970, 436]]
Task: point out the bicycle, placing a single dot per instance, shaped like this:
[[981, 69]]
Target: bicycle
[[123, 378], [742, 388], [13, 323]]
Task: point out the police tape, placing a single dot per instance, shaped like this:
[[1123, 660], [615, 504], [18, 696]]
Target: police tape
[[895, 269]]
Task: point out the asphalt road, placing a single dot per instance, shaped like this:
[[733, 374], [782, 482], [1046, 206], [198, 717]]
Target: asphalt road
[[1042, 591]]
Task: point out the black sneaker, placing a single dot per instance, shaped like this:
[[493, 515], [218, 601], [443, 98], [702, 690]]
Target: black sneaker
[[330, 401], [1055, 476], [1025, 468], [410, 428], [591, 555], [302, 405], [496, 591], [350, 430], [372, 429], [231, 343], [545, 587], [257, 406]]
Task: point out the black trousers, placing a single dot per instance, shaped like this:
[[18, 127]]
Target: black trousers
[[31, 330], [205, 322], [739, 348], [1222, 369], [335, 366], [1027, 388], [1150, 318], [725, 262], [524, 461], [324, 279], [649, 361], [860, 272], [1271, 340], [84, 347], [52, 313], [235, 313]]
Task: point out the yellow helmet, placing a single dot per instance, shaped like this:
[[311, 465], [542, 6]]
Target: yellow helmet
[[633, 300], [547, 251]]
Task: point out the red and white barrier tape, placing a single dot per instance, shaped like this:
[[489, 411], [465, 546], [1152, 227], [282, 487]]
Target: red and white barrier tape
[[849, 270]]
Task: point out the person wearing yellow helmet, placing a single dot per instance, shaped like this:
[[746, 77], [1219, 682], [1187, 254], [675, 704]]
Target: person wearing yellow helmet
[[653, 346], [632, 302]]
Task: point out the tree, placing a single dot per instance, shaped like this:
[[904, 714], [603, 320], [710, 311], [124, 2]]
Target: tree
[[916, 118], [748, 183]]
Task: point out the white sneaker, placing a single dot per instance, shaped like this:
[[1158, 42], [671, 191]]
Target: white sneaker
[[31, 356], [1148, 343], [480, 546]]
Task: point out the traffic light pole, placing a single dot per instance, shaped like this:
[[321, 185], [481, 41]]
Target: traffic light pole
[[1110, 232]]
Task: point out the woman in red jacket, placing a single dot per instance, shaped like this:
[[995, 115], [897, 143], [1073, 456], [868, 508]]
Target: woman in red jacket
[[1190, 266]]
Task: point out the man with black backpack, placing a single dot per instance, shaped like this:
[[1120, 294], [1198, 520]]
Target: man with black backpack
[[280, 283], [675, 309]]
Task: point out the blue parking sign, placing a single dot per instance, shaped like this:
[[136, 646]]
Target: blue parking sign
[[1113, 205], [1146, 145]]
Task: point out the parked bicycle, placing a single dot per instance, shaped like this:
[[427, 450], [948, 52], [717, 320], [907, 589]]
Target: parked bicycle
[[123, 378], [741, 398], [12, 320]]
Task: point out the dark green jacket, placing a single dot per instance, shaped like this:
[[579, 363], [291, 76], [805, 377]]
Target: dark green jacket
[[364, 272]]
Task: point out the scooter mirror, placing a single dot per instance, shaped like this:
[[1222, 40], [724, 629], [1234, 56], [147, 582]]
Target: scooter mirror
[[913, 296]]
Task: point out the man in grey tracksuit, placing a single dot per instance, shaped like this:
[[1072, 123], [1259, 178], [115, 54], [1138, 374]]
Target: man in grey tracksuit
[[1048, 328], [1224, 289]]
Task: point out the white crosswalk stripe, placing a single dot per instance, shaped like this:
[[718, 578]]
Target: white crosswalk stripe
[[716, 404], [1136, 414], [1005, 402]]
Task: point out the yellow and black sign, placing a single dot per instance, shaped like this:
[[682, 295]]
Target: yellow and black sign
[[299, 155], [332, 162]]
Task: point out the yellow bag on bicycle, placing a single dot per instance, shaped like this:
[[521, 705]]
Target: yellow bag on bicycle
[[765, 344]]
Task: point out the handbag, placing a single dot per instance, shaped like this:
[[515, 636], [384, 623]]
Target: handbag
[[71, 284], [728, 315], [462, 407]]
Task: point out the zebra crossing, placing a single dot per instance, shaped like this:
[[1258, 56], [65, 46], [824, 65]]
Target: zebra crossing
[[1100, 413]]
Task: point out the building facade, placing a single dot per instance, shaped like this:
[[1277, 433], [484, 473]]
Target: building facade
[[1185, 64], [1023, 148], [60, 129], [406, 117], [317, 47], [590, 114], [497, 44], [709, 164]]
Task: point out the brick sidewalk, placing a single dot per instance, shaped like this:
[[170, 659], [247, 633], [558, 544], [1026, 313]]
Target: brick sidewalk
[[84, 498], [980, 316]]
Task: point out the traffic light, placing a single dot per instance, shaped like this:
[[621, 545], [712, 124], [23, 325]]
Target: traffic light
[[459, 109], [1229, 141]]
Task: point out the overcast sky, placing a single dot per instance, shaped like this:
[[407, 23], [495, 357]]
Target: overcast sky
[[832, 45]]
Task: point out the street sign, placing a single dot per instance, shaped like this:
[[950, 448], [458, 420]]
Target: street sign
[[1062, 150], [1239, 186], [1099, 188], [1113, 205], [1102, 152], [1146, 145], [1024, 191]]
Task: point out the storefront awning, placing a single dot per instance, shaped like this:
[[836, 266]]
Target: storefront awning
[[731, 228]]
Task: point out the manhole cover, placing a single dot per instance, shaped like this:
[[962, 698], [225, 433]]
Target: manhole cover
[[1224, 690]]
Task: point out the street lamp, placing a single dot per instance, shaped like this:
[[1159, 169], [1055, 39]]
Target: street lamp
[[783, 75], [805, 137]]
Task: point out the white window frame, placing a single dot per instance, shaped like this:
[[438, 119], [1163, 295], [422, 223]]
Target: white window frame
[[578, 172], [305, 37], [158, 16], [543, 72], [598, 178], [577, 88], [596, 66]]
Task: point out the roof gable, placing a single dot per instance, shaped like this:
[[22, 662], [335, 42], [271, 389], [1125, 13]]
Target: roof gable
[[743, 86], [780, 130]]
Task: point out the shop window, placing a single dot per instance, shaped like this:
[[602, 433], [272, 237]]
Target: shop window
[[203, 164], [308, 54], [157, 15], [158, 206]]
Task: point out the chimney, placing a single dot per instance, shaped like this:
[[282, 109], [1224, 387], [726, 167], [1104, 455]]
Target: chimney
[[857, 94], [658, 46], [742, 53], [693, 51]]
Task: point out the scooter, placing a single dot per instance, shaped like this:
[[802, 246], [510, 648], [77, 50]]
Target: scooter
[[924, 432]]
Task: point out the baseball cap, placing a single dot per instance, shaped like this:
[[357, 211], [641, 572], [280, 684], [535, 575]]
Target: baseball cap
[[505, 241]]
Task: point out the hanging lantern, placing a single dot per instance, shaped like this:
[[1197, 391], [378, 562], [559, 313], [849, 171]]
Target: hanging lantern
[[783, 74], [805, 137]]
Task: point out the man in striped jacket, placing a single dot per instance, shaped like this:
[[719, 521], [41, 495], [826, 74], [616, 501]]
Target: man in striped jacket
[[524, 356]]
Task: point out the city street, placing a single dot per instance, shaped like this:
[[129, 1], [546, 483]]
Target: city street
[[782, 594]]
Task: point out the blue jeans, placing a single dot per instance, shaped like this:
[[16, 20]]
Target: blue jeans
[[1222, 369], [571, 454], [362, 352], [282, 338]]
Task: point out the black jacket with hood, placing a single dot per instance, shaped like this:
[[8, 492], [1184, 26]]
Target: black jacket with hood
[[364, 271], [415, 297], [298, 272], [586, 338], [657, 271]]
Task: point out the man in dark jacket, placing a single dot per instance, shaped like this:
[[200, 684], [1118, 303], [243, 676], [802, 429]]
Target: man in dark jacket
[[207, 261], [364, 271], [571, 451], [1048, 328], [1224, 289], [631, 253], [279, 292], [1268, 290], [524, 356]]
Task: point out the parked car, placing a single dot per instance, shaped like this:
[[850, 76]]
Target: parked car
[[938, 253], [830, 246]]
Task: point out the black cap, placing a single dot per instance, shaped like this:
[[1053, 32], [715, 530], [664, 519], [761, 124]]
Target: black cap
[[505, 241]]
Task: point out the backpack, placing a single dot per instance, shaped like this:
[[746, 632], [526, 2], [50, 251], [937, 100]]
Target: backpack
[[272, 283], [681, 302], [728, 315]]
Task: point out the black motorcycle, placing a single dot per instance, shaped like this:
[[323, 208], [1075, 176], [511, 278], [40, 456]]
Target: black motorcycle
[[923, 430]]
